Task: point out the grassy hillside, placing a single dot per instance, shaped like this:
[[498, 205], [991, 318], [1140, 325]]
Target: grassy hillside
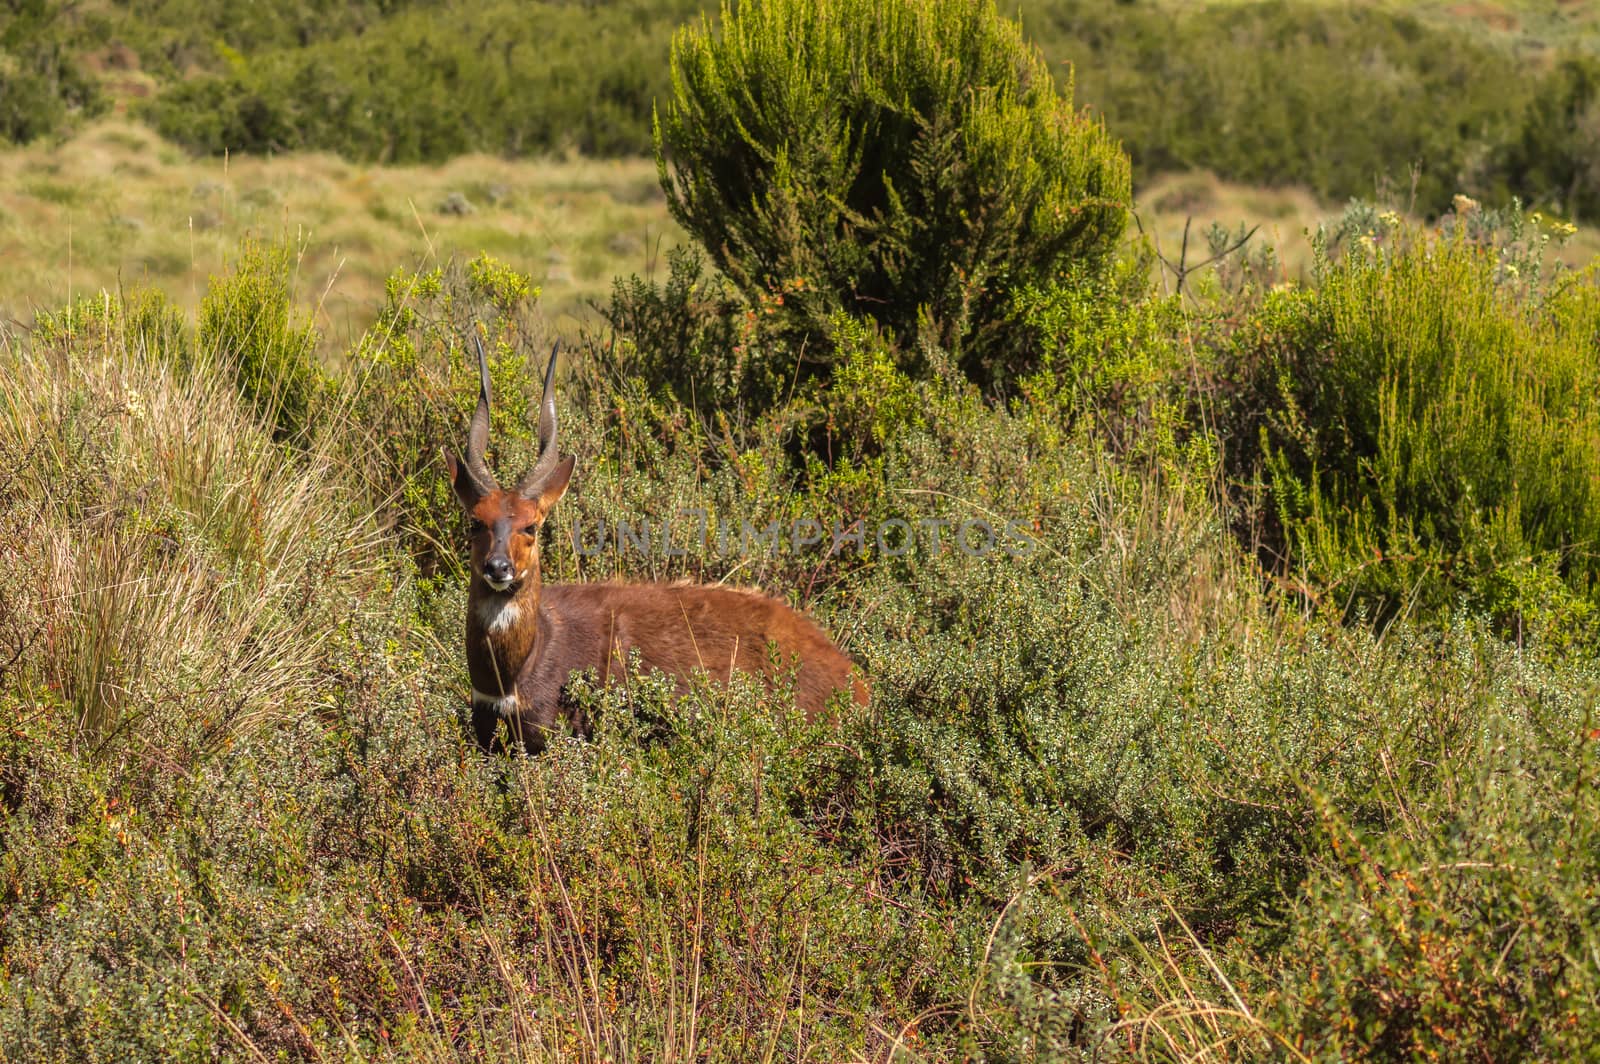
[[115, 206]]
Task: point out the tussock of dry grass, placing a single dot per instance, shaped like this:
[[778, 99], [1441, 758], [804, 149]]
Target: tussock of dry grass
[[148, 515]]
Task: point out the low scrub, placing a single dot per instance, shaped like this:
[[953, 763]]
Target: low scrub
[[1340, 99], [44, 85]]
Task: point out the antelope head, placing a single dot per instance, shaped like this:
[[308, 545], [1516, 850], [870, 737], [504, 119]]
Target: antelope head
[[505, 524]]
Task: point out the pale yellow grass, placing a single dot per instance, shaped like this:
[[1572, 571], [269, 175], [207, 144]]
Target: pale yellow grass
[[116, 205], [1286, 216]]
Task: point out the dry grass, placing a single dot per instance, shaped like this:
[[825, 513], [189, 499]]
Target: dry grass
[[1286, 216], [146, 513], [115, 205]]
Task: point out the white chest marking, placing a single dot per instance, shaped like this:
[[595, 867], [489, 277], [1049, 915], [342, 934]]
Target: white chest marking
[[498, 619], [503, 707]]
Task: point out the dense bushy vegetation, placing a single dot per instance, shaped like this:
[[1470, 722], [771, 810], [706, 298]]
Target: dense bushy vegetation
[[1110, 796], [388, 81], [42, 81], [1233, 655], [1554, 157], [1339, 98], [1430, 425], [428, 83]]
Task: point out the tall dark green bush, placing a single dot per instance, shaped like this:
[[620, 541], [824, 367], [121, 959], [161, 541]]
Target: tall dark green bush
[[909, 161], [1428, 437], [684, 335]]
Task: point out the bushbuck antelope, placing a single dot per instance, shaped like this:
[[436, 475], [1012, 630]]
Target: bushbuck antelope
[[525, 641]]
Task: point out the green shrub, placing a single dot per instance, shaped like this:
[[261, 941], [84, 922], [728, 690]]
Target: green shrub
[[1426, 437], [909, 162], [1554, 157], [738, 369], [685, 335], [143, 321], [250, 330], [1108, 352], [1452, 940]]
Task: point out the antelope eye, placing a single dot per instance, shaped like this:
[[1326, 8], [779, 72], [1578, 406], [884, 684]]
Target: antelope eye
[[475, 526], [531, 530]]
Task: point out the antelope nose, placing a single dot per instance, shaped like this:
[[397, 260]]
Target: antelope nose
[[498, 571]]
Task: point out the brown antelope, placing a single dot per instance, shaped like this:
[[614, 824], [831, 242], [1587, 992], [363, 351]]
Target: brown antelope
[[525, 641]]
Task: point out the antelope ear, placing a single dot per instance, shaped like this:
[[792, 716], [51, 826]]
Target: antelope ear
[[466, 489], [553, 484]]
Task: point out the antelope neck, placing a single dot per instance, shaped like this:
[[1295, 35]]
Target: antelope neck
[[502, 632]]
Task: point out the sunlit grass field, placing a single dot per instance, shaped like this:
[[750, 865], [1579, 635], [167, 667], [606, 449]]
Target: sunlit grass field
[[114, 206]]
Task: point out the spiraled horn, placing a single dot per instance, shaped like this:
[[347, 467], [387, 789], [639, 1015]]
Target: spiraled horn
[[531, 485], [478, 430]]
